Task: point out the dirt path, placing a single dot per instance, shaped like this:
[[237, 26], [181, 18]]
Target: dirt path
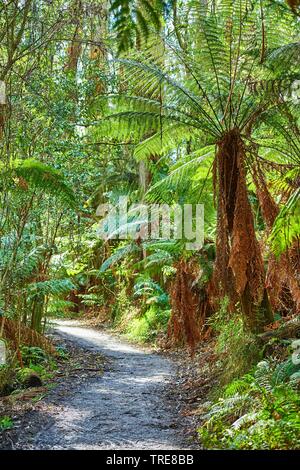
[[126, 408]]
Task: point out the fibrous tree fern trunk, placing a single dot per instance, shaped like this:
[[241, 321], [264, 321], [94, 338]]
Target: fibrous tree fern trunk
[[282, 281], [184, 324], [239, 269]]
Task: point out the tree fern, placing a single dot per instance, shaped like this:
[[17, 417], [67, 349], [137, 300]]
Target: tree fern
[[118, 255], [38, 176]]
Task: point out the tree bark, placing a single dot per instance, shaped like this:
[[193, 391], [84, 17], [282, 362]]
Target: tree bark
[[239, 269]]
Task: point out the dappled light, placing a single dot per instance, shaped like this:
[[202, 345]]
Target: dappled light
[[150, 225]]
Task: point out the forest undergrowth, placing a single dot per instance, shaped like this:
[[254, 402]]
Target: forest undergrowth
[[150, 184]]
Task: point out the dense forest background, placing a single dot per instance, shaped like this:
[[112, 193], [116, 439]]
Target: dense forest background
[[165, 102]]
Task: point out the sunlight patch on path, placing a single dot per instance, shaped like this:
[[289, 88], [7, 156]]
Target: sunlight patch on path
[[126, 408]]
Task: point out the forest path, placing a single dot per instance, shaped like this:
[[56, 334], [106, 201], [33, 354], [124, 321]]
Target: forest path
[[126, 408]]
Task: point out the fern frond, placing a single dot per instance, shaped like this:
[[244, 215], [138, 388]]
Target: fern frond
[[165, 140], [39, 176], [284, 371], [119, 254], [182, 171], [54, 287], [286, 229], [135, 18]]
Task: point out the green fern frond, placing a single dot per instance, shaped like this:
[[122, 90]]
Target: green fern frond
[[263, 376], [286, 229], [239, 386], [134, 19], [39, 176], [284, 371], [118, 255], [159, 258], [164, 140], [181, 172], [284, 58], [54, 287]]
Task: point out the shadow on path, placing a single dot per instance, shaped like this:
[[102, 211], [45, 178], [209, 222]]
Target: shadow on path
[[126, 408]]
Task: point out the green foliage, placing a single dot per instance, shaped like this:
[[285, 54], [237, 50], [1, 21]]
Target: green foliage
[[48, 179], [237, 347], [286, 229], [62, 352], [196, 109], [133, 98], [285, 371], [54, 287], [134, 20], [92, 299], [24, 373], [122, 304], [151, 291], [60, 308], [145, 314], [6, 423], [145, 328], [254, 414], [39, 176], [36, 361], [118, 255], [7, 376], [32, 355]]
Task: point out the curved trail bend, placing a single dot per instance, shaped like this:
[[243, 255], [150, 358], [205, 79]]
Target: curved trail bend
[[126, 408]]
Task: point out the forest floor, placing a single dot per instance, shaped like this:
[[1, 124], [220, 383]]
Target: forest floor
[[139, 399]]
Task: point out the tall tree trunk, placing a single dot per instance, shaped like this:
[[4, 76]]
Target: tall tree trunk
[[74, 49], [98, 50], [186, 321]]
